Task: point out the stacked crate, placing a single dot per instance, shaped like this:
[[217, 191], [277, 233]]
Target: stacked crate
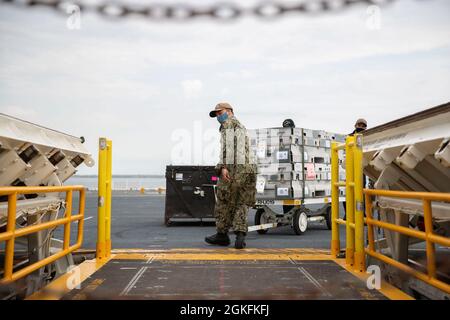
[[293, 163]]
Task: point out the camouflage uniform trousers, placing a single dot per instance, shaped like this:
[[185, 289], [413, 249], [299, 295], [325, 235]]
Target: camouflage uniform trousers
[[233, 201]]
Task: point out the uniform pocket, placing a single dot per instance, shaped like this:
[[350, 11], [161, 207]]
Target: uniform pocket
[[248, 190], [223, 191]]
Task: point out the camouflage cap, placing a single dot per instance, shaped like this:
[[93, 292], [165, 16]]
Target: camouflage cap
[[220, 106], [361, 122]]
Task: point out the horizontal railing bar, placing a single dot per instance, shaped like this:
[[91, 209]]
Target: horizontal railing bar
[[42, 263], [340, 147], [419, 275], [38, 189], [344, 222], [410, 232], [434, 196], [39, 227], [13, 233], [443, 241], [340, 184], [396, 228]]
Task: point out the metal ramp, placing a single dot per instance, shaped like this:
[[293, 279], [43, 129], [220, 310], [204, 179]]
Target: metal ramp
[[227, 274]]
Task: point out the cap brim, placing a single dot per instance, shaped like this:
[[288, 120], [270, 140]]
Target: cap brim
[[213, 114]]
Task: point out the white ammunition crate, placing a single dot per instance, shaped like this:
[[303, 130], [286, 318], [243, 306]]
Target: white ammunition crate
[[281, 155], [322, 167], [293, 161], [321, 176], [289, 190], [320, 138], [316, 155], [317, 189], [266, 194], [285, 176], [265, 133], [317, 172], [294, 190], [274, 168], [270, 185], [320, 134], [277, 142]]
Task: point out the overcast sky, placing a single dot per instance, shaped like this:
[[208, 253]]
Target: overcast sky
[[149, 86]]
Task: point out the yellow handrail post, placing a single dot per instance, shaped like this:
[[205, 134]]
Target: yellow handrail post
[[108, 197], [335, 243], [101, 235], [10, 228], [350, 200], [428, 221], [81, 206], [68, 214], [359, 258], [370, 231]]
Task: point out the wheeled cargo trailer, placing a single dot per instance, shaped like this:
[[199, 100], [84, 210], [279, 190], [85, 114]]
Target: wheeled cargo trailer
[[296, 213], [293, 173]]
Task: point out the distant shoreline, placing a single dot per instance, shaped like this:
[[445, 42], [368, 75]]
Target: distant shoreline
[[121, 176]]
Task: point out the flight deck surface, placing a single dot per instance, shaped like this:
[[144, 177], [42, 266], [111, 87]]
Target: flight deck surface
[[227, 274]]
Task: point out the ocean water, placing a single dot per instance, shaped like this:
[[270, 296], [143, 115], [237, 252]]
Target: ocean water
[[120, 182]]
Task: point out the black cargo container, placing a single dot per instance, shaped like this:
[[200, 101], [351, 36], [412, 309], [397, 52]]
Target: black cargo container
[[190, 193]]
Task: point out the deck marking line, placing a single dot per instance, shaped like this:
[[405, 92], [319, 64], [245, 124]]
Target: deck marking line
[[85, 219], [136, 278], [133, 281], [311, 278]]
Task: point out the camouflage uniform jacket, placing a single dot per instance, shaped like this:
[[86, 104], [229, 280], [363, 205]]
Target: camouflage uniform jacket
[[236, 156]]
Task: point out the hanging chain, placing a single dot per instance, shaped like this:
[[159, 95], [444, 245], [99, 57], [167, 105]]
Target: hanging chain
[[225, 11]]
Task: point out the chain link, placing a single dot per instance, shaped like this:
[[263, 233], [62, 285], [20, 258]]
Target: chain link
[[225, 11]]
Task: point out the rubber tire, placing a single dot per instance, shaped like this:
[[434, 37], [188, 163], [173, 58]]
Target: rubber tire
[[328, 218], [258, 215], [296, 224]]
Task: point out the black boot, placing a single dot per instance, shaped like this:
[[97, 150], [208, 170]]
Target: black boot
[[240, 240], [220, 239]]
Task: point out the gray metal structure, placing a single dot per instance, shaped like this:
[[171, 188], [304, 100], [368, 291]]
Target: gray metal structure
[[32, 155], [411, 154]]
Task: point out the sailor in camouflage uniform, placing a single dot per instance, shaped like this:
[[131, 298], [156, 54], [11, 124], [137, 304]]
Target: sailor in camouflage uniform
[[236, 188]]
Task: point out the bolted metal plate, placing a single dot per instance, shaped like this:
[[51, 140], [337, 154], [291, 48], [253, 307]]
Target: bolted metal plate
[[223, 279]]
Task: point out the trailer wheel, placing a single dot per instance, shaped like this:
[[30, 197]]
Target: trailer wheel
[[328, 217], [260, 220], [300, 222]]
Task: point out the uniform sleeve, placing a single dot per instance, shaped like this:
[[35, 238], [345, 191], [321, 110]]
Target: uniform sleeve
[[244, 156], [222, 153], [240, 143]]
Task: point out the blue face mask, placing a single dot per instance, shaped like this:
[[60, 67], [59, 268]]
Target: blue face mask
[[222, 118]]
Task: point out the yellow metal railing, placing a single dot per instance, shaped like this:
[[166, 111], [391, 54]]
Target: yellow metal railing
[[427, 235], [12, 232], [355, 252], [104, 198]]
